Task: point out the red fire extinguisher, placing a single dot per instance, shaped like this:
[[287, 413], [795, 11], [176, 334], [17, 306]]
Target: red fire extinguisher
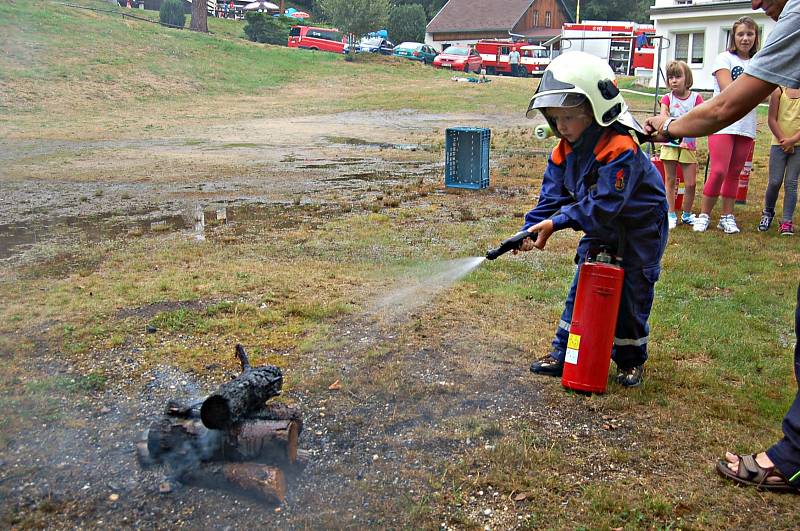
[[594, 320]]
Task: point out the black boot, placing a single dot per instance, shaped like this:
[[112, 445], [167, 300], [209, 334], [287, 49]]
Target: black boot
[[547, 366]]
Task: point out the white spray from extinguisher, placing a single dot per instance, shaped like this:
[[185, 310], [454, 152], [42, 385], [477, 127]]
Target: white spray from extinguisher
[[423, 284]]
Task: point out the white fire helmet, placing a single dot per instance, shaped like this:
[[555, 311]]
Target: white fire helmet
[[575, 77]]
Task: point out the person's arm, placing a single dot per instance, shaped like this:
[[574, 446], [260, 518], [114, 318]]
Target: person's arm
[[665, 106], [772, 115], [741, 96], [724, 78]]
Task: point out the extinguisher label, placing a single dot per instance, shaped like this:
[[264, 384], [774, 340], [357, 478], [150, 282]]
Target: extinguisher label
[[573, 345]]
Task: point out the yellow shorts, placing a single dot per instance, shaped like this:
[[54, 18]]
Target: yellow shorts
[[684, 156]]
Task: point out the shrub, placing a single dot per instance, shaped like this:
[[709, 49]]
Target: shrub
[[171, 13], [262, 27]]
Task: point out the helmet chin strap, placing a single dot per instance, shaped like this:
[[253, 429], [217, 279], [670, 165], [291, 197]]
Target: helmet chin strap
[[588, 138]]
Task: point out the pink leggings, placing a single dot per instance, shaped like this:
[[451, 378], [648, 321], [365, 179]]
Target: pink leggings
[[728, 155]]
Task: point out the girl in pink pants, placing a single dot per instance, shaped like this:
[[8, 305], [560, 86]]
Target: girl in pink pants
[[730, 147], [729, 154]]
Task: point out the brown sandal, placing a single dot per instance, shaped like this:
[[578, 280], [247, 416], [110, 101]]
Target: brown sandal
[[750, 473]]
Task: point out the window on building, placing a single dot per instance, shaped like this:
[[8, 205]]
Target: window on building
[[535, 18], [547, 21], [690, 47], [698, 48]]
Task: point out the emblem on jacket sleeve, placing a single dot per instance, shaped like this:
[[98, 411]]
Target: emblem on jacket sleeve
[[619, 182]]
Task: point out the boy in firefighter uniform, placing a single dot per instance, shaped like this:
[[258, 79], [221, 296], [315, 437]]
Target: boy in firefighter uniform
[[599, 181]]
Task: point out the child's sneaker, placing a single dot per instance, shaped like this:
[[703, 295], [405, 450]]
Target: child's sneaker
[[786, 228], [766, 221], [701, 223], [672, 218], [687, 218], [727, 224]]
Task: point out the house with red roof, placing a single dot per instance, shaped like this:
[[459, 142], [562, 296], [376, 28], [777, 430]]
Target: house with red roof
[[468, 21]]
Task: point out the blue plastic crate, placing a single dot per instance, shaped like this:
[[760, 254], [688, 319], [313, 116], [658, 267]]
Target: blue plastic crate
[[466, 163]]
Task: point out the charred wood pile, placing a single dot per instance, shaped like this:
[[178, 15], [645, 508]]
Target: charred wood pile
[[235, 436]]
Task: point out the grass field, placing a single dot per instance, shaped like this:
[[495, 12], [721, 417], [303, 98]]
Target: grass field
[[439, 421]]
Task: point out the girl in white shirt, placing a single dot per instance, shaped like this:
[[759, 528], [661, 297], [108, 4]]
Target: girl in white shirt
[[730, 147]]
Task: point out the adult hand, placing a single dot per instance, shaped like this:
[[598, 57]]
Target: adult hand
[[652, 127]]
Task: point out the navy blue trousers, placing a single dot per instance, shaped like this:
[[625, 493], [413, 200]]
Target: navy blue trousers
[[642, 264], [786, 453]]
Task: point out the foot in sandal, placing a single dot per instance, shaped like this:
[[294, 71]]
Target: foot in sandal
[[755, 470]]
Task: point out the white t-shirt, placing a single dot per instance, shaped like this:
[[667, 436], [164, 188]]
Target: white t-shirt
[[736, 65]]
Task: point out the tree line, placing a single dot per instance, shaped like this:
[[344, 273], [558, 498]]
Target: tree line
[[633, 10], [405, 20]]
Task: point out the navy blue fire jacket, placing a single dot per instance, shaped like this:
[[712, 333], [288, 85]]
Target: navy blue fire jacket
[[605, 186]]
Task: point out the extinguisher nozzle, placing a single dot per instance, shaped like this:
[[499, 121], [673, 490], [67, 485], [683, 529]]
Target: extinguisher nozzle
[[512, 243], [491, 254]]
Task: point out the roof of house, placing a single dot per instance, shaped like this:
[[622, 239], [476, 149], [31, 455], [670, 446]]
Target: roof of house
[[541, 33], [469, 15]]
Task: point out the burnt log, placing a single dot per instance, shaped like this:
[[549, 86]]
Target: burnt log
[[182, 442], [265, 481], [237, 399], [278, 411], [274, 441], [181, 410]]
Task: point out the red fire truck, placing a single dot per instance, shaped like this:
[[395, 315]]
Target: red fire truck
[[494, 52], [625, 45]]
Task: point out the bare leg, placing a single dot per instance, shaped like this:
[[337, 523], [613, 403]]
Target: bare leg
[[727, 205], [689, 185], [670, 172], [707, 204]]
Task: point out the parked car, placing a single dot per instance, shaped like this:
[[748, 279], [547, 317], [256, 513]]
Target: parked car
[[459, 58], [415, 51], [311, 38], [376, 45]]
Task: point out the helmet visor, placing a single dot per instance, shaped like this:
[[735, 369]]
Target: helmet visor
[[557, 99]]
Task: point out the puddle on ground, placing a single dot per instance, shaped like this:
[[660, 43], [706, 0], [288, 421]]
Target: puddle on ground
[[16, 239], [240, 145], [351, 141]]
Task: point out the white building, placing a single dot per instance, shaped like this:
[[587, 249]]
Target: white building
[[697, 31]]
